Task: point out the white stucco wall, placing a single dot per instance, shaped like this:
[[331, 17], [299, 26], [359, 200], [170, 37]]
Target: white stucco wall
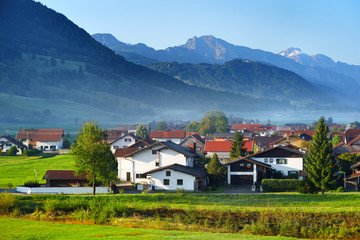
[[174, 140], [57, 144], [145, 161], [59, 190], [6, 148], [158, 180], [293, 164], [121, 143]]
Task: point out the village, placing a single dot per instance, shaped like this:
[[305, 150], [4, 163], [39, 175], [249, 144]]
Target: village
[[175, 159]]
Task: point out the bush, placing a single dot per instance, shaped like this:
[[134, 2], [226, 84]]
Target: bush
[[32, 152], [340, 189], [281, 185], [7, 202], [12, 151], [31, 183], [306, 186]]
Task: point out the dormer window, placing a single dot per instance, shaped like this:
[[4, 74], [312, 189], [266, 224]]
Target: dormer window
[[154, 151]]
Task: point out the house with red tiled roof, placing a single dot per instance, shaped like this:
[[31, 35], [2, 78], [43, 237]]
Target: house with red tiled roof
[[262, 130], [122, 142], [353, 181], [222, 149], [355, 143], [162, 136], [343, 148], [194, 143], [350, 134], [42, 139]]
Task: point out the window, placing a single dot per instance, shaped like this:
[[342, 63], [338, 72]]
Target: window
[[168, 173], [180, 182], [154, 151], [46, 147], [248, 165], [166, 181], [271, 160], [127, 139], [266, 160], [157, 163], [140, 175], [8, 144], [281, 161]]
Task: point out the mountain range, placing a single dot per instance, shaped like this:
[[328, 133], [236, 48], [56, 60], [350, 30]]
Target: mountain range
[[51, 70], [338, 79]]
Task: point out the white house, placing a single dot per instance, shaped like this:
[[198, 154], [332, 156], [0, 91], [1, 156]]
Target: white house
[[42, 139], [177, 176], [123, 142], [7, 142], [176, 136], [252, 168], [133, 163]]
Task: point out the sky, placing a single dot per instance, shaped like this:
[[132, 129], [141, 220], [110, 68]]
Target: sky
[[326, 27]]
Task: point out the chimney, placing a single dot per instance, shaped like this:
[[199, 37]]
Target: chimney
[[192, 147]]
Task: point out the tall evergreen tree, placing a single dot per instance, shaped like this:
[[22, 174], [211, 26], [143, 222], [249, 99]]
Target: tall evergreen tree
[[237, 149], [319, 165], [141, 131]]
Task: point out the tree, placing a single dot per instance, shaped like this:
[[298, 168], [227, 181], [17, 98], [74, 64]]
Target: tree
[[12, 151], [346, 160], [237, 149], [329, 120], [319, 165], [93, 156], [216, 171], [141, 131], [336, 140], [161, 126], [194, 126], [66, 143], [213, 121]]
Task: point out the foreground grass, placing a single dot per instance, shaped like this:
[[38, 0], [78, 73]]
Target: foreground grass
[[19, 169], [27, 229]]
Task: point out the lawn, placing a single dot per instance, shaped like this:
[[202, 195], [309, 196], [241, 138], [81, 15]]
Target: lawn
[[27, 229], [19, 169]]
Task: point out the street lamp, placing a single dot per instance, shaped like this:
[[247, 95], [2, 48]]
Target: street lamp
[[35, 175]]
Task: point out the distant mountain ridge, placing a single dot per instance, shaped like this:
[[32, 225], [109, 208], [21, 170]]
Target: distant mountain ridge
[[208, 49]]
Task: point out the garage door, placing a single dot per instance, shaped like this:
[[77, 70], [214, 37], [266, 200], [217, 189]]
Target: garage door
[[241, 180]]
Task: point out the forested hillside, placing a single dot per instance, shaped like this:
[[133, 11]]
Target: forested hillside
[[246, 77], [44, 57]]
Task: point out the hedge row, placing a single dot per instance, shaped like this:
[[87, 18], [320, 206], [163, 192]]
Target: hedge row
[[280, 185]]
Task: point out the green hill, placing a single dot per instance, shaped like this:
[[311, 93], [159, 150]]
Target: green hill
[[44, 55], [246, 77]]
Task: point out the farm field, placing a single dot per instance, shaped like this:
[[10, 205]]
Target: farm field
[[19, 169], [27, 229]]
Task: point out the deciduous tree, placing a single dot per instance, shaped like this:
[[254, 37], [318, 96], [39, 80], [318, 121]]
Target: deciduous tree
[[141, 131], [161, 126], [319, 164], [93, 156]]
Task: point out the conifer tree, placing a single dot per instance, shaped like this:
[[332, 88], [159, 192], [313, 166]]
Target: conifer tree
[[237, 149], [319, 165]]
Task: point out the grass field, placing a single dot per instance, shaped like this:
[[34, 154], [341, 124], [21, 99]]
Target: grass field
[[19, 169], [27, 229]]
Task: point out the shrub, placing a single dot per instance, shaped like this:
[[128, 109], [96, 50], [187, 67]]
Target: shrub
[[12, 151], [306, 186], [31, 183], [280, 185], [7, 202], [340, 189], [31, 152]]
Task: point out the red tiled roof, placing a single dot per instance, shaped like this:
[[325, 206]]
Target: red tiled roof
[[350, 134], [191, 133], [248, 145], [225, 146], [62, 175], [44, 135], [167, 134], [242, 126], [308, 132], [122, 152], [354, 140]]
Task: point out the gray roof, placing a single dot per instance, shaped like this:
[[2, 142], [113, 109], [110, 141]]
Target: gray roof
[[177, 148], [14, 141], [223, 135], [181, 168]]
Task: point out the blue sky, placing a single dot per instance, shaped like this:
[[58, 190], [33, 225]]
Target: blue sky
[[322, 26]]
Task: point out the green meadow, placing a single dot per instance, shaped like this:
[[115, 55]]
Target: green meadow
[[19, 169], [11, 228]]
